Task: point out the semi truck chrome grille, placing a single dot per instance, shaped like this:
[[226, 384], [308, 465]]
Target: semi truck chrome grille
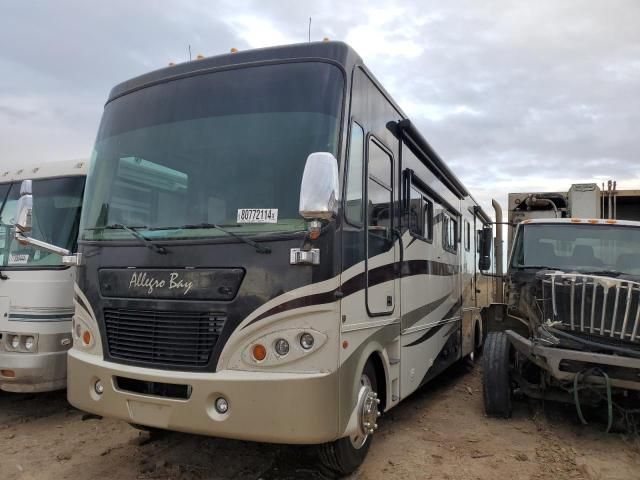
[[593, 305], [176, 339]]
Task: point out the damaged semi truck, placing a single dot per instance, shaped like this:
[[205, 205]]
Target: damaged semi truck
[[569, 327]]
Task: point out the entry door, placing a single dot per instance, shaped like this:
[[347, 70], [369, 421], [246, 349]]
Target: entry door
[[380, 238]]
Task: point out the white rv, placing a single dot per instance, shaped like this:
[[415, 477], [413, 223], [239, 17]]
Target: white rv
[[36, 289]]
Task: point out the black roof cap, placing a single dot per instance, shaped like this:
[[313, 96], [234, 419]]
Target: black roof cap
[[338, 52]]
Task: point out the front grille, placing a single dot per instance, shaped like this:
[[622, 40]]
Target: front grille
[[176, 339], [593, 305]]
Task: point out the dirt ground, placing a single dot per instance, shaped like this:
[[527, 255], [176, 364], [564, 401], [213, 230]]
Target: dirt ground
[[438, 433]]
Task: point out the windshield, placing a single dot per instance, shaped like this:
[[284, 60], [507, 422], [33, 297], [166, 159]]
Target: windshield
[[581, 247], [200, 150], [56, 214]]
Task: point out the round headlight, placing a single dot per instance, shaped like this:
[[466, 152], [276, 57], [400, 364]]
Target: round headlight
[[15, 342], [222, 406], [306, 341], [282, 347], [29, 343]]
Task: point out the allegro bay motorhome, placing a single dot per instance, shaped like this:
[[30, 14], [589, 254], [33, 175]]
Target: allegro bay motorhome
[[36, 289], [269, 250]]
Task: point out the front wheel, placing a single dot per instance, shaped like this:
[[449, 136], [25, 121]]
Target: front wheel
[[496, 381], [344, 456]]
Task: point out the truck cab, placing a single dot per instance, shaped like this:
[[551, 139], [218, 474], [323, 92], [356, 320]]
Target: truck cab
[[570, 324]]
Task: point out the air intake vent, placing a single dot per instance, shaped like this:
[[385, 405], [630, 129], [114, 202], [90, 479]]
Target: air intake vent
[[162, 338]]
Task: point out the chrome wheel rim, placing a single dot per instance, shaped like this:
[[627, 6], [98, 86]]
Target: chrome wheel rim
[[367, 413]]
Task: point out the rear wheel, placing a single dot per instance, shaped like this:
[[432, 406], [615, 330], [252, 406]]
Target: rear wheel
[[345, 455], [496, 385]]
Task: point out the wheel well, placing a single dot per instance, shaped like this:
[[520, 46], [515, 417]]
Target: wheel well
[[381, 378]]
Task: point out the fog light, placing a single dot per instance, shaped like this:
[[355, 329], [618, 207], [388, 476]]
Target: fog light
[[98, 387], [282, 347], [8, 373], [306, 341], [15, 342], [222, 406], [29, 343]]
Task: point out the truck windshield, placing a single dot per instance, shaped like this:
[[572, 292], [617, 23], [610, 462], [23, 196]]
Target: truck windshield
[[56, 215], [578, 247], [202, 149]]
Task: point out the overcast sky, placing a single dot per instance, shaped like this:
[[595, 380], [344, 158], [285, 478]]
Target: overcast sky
[[514, 95]]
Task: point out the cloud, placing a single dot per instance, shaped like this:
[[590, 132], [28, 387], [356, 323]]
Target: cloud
[[526, 95]]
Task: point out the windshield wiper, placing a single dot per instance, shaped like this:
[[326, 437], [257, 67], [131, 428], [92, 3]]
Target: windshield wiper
[[259, 248], [133, 231]]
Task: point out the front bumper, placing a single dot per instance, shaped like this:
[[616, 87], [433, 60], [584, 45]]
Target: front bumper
[[296, 408], [34, 372], [624, 372]]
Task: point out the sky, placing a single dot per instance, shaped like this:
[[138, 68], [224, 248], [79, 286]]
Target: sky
[[513, 95]]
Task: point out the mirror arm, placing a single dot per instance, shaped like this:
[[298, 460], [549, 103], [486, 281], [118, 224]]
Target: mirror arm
[[42, 245]]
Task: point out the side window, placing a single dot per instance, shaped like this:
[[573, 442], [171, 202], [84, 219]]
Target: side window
[[449, 233], [420, 215], [353, 205], [379, 200], [467, 235], [428, 219], [416, 218]]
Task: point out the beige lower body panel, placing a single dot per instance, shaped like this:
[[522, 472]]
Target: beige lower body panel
[[294, 408], [33, 372]]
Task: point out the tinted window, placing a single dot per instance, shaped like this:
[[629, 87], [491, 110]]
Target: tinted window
[[354, 208], [379, 201], [196, 150], [56, 214]]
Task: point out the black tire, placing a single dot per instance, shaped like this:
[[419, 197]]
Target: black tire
[[496, 384], [340, 458]]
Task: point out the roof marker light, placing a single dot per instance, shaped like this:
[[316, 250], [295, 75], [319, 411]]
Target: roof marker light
[[199, 56], [576, 220], [234, 50]]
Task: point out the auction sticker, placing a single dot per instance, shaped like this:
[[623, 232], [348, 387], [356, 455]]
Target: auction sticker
[[257, 215], [18, 258]]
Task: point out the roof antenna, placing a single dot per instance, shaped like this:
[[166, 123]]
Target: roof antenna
[[189, 52], [309, 29]]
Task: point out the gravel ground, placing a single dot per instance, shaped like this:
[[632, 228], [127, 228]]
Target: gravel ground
[[438, 433]]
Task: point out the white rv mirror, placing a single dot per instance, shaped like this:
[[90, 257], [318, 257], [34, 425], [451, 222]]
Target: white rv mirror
[[24, 208], [23, 221], [319, 188]]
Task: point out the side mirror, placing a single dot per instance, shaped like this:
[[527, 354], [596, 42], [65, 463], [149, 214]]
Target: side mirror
[[486, 243], [319, 188], [24, 208], [23, 222]]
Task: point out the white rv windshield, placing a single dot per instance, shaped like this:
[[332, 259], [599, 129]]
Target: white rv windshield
[[56, 214], [578, 247]]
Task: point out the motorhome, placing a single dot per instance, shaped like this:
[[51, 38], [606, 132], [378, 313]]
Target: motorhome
[[36, 289], [270, 251]]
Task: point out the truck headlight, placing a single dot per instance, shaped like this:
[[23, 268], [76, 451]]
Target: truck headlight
[[29, 343], [282, 347], [15, 342]]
